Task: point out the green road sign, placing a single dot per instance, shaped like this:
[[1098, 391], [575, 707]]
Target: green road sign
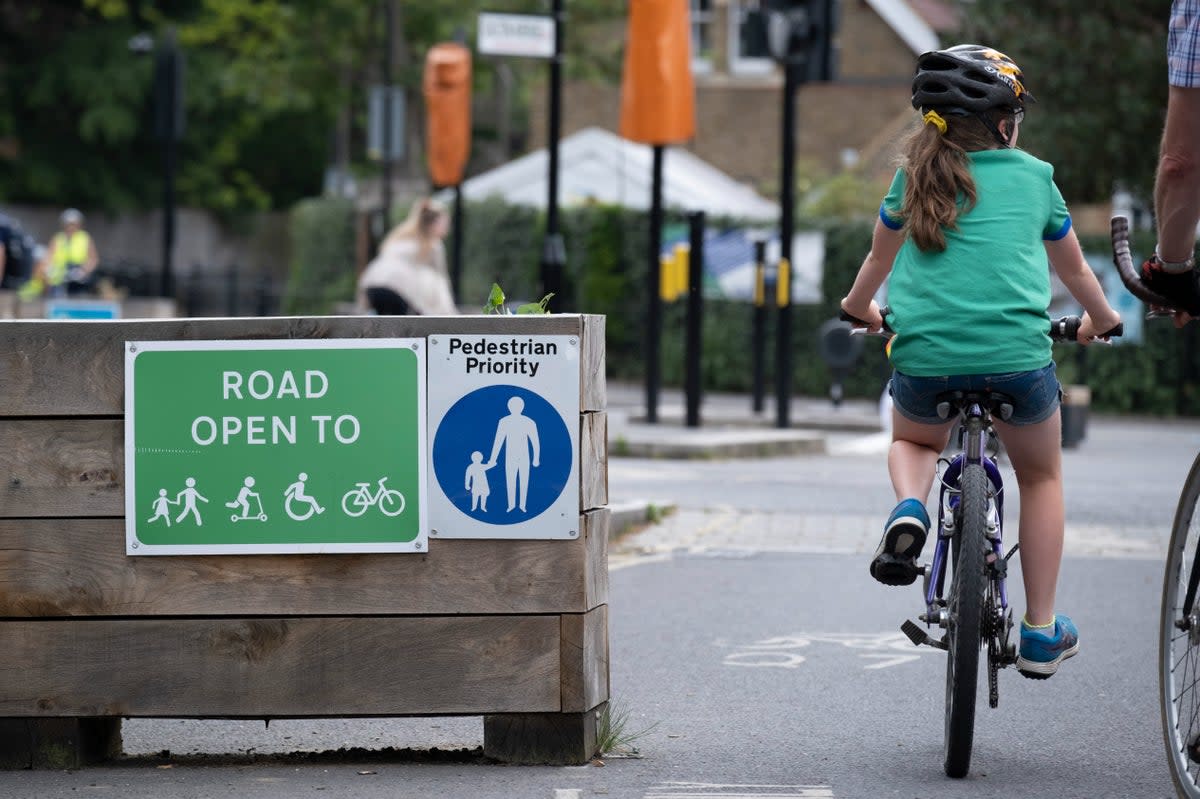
[[276, 446]]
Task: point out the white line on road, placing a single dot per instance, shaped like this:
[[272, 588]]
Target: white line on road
[[568, 793], [704, 790]]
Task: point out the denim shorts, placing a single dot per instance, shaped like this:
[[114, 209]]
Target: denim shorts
[[1036, 394]]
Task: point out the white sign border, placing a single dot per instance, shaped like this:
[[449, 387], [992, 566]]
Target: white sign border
[[467, 527], [419, 545]]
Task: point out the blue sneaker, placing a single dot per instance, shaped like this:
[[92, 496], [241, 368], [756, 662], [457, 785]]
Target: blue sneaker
[[895, 561], [1042, 649]]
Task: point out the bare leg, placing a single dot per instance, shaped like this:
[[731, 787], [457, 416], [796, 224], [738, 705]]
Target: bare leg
[[912, 459], [1036, 455], [1177, 184]]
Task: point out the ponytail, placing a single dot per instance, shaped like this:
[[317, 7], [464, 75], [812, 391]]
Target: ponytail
[[938, 184]]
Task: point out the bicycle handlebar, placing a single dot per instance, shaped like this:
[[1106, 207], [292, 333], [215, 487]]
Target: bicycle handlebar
[[860, 324], [1066, 328]]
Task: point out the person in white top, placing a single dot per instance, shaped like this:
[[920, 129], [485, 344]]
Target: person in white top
[[409, 274]]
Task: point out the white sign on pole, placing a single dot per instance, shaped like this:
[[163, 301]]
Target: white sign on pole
[[516, 34], [504, 433]]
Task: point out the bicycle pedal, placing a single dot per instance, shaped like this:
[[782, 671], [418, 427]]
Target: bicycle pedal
[[919, 637]]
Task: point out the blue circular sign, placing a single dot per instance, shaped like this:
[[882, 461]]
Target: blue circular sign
[[502, 454]]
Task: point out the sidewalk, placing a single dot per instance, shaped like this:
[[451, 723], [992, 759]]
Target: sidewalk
[[729, 427]]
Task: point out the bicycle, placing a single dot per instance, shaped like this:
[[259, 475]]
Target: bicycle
[[974, 613], [1179, 618], [357, 500]]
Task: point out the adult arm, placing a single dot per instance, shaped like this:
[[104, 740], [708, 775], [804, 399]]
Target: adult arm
[[1177, 183]]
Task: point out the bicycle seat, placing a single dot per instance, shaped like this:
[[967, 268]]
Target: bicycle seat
[[996, 403]]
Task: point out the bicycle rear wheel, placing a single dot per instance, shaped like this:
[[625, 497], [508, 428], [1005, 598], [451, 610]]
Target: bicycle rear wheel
[[965, 607], [1179, 643]]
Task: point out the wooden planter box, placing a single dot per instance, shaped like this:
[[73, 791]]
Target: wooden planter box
[[513, 630]]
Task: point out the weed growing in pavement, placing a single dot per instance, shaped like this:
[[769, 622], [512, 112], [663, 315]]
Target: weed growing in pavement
[[614, 738]]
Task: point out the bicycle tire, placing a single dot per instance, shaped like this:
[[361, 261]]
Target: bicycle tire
[[1179, 649], [963, 635]]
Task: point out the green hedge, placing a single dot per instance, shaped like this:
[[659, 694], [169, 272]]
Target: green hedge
[[606, 274], [322, 270]]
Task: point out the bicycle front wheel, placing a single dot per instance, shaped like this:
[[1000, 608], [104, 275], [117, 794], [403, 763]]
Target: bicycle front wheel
[[965, 607], [1179, 643]]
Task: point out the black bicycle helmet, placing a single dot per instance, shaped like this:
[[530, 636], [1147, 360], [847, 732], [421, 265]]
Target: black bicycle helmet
[[968, 79]]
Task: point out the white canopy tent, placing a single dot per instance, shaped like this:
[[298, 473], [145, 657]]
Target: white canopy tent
[[598, 166]]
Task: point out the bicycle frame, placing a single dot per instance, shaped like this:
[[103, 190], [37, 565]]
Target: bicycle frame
[[976, 422]]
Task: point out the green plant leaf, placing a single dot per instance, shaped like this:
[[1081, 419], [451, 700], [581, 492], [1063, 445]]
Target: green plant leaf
[[495, 300], [540, 307]]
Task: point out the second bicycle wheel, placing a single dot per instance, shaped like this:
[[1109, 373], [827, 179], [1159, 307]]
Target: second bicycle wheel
[[965, 607], [1179, 643]]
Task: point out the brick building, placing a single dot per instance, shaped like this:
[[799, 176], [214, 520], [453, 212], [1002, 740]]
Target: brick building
[[854, 119]]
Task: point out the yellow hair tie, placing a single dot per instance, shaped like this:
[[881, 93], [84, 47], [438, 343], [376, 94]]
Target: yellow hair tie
[[935, 119]]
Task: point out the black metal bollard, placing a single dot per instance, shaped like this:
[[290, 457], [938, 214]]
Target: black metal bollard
[[231, 291], [191, 299], [758, 327], [695, 318]]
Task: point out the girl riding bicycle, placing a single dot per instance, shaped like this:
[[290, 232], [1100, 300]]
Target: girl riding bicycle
[[964, 233]]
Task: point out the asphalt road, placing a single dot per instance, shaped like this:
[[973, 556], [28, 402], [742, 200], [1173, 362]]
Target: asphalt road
[[755, 658]]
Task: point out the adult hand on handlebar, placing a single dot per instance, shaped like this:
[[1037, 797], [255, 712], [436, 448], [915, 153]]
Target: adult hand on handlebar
[[872, 317], [1089, 331]]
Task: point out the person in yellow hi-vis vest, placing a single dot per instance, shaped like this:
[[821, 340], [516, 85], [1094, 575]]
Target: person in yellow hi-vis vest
[[73, 257]]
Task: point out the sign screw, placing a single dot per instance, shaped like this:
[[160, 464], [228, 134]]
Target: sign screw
[[133, 348], [573, 342], [573, 534], [417, 545], [433, 532], [135, 544]]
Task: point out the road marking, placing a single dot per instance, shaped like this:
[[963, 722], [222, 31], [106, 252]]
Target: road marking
[[568, 793], [888, 649], [705, 790]]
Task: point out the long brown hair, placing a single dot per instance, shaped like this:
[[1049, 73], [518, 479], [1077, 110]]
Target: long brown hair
[[938, 185]]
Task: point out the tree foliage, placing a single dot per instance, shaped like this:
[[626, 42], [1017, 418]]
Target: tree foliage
[[1098, 70], [266, 83]]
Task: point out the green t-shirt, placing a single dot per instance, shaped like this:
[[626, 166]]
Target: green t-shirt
[[979, 306]]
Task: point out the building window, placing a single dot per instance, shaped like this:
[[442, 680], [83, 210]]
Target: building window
[[747, 39], [702, 21]]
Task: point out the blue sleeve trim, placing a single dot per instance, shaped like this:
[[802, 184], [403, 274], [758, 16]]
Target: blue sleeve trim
[[1061, 232], [888, 222]]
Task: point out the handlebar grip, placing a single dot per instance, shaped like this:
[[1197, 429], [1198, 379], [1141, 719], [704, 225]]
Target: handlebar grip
[[1066, 328], [854, 320]]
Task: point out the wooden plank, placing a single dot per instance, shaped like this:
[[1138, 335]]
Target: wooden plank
[[595, 565], [62, 467], [593, 460], [271, 667], [62, 368], [78, 567], [584, 659], [562, 739], [593, 387]]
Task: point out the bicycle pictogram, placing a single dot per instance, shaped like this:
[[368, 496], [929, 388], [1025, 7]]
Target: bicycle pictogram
[[359, 499]]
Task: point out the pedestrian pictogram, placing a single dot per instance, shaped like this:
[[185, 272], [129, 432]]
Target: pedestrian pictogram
[[242, 447], [503, 420]]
